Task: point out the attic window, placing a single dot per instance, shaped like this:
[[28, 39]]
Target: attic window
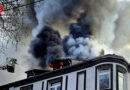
[[104, 77], [55, 84]]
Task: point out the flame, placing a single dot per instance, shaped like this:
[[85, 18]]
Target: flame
[[60, 67], [1, 8], [61, 63], [51, 65]]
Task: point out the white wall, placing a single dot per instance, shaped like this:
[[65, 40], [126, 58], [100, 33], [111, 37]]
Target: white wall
[[72, 81], [128, 82], [12, 88], [37, 85], [114, 76], [90, 84], [72, 78]]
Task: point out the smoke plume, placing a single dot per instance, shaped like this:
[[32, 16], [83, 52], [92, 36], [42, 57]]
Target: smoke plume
[[92, 28], [46, 47]]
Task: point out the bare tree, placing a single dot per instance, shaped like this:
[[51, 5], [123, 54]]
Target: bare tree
[[11, 24]]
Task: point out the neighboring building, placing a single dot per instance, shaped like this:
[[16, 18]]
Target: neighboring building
[[109, 72]]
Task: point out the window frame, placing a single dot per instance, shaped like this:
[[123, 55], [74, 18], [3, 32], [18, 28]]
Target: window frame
[[102, 74], [43, 85], [66, 86], [27, 86], [55, 80], [77, 82], [124, 71], [110, 67]]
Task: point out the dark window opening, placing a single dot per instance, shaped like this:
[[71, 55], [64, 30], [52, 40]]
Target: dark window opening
[[42, 85], [29, 87]]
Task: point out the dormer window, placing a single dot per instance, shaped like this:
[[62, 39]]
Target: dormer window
[[104, 77]]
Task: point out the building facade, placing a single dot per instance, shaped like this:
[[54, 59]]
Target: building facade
[[109, 72]]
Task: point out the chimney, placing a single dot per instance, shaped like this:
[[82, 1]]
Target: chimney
[[35, 72]]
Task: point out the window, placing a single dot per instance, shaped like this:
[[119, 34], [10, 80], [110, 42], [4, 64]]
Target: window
[[5, 89], [29, 87], [55, 84], [42, 85], [104, 77], [121, 78], [81, 80]]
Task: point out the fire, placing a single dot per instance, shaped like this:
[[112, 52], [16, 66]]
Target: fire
[[59, 64], [51, 65], [1, 8]]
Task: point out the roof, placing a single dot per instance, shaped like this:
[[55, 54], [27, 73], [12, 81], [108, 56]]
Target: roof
[[36, 71], [86, 64]]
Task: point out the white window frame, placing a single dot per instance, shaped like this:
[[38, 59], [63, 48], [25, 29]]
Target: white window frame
[[55, 86], [123, 77], [122, 70], [105, 73], [53, 81]]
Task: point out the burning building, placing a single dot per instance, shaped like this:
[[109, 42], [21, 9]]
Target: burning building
[[92, 32], [109, 72]]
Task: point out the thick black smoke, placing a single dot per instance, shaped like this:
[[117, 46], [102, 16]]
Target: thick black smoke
[[46, 47]]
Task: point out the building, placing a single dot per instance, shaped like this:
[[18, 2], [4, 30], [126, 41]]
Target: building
[[109, 72]]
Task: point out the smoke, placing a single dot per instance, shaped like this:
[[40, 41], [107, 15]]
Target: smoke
[[93, 29], [91, 32], [46, 47], [121, 43], [30, 11], [103, 15], [122, 32]]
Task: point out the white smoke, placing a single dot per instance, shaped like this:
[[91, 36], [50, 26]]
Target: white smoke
[[85, 48], [48, 12], [121, 42], [103, 14]]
